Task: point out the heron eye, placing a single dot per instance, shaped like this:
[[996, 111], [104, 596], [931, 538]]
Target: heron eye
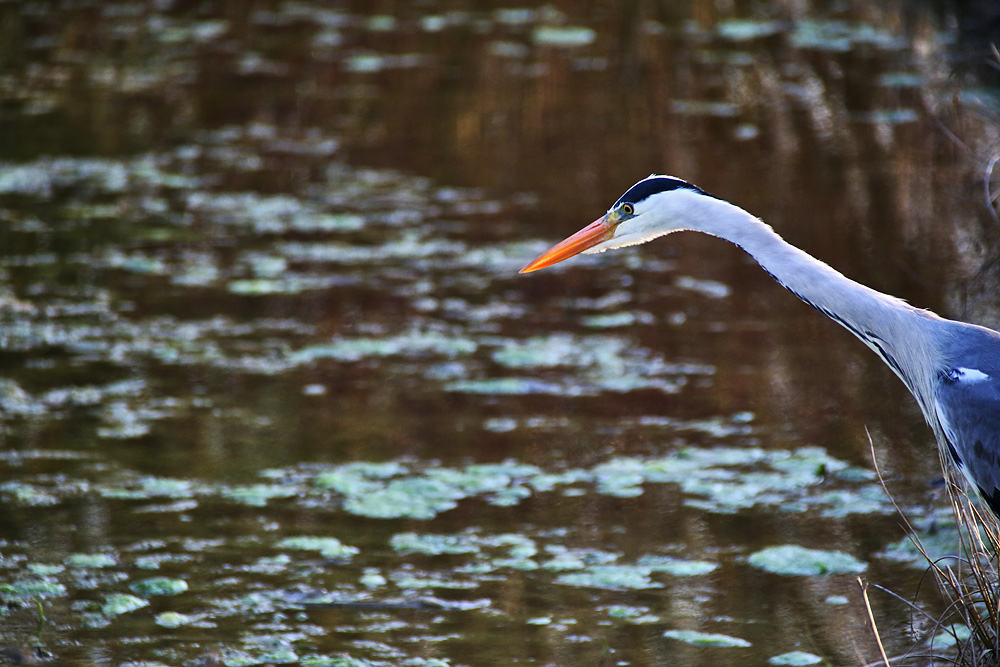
[[628, 209]]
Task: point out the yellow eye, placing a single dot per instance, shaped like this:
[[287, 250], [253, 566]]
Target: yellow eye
[[628, 209]]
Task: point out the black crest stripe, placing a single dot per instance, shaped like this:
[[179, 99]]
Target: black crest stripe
[[651, 186]]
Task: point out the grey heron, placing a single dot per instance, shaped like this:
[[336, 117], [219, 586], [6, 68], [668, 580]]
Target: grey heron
[[951, 368]]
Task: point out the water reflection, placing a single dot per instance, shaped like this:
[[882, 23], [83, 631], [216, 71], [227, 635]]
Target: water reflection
[[261, 329]]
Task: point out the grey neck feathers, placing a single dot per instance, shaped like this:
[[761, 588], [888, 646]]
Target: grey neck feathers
[[903, 336]]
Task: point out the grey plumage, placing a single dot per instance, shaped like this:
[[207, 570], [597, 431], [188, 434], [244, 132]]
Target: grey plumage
[[967, 405], [951, 368]]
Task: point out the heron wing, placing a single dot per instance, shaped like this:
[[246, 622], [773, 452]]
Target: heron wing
[[968, 407]]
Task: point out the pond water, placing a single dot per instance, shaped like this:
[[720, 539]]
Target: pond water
[[273, 391]]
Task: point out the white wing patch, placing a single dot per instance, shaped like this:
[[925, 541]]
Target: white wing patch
[[970, 375]]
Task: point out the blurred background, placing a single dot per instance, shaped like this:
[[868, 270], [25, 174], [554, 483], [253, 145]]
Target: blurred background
[[258, 282]]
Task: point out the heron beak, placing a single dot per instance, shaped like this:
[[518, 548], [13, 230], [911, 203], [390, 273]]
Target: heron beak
[[599, 230]]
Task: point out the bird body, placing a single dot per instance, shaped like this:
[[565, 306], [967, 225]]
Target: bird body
[[952, 368]]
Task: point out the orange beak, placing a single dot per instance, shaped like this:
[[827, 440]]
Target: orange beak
[[599, 230]]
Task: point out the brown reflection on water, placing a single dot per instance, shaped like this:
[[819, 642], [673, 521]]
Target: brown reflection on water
[[859, 149]]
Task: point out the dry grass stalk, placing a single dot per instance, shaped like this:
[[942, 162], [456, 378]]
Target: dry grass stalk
[[968, 582]]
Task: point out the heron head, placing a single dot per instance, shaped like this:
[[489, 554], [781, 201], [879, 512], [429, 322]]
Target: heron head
[[654, 206]]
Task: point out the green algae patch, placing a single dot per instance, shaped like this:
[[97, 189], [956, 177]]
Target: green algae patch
[[28, 494], [842, 36], [173, 619], [393, 491], [745, 30], [509, 386], [159, 586], [329, 547], [795, 659], [257, 495], [45, 569], [708, 639], [721, 480], [591, 365], [950, 636], [434, 545], [91, 561], [408, 344], [636, 615], [415, 498], [939, 536], [563, 36], [120, 603], [792, 559], [602, 569], [29, 589], [676, 566], [611, 577]]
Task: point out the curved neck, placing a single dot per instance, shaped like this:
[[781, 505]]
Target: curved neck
[[881, 321]]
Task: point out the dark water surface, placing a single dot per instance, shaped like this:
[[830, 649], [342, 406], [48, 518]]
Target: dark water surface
[[272, 390]]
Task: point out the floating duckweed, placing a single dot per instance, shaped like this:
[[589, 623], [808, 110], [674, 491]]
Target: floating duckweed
[[372, 578], [706, 639], [236, 658], [355, 476], [159, 586], [153, 561], [418, 581], [508, 386], [270, 565], [516, 16], [287, 284], [329, 547], [28, 494], [31, 589], [744, 30], [612, 577], [500, 424], [951, 635], [409, 344], [91, 560], [620, 477], [564, 36], [622, 319], [636, 615], [599, 569], [337, 661], [792, 559], [415, 498], [856, 474], [167, 487], [709, 288], [564, 558], [939, 536], [840, 36], [425, 495], [795, 659], [434, 544], [544, 351], [716, 479], [676, 566], [122, 604], [257, 495], [172, 619]]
